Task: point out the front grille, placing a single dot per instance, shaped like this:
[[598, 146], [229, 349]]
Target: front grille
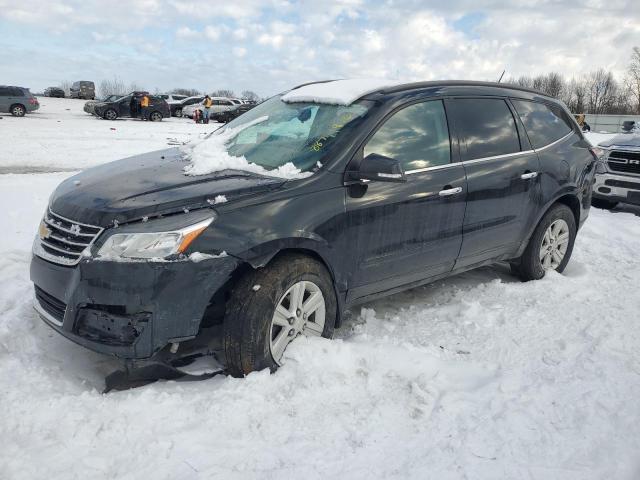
[[51, 305], [621, 184], [64, 240], [626, 162]]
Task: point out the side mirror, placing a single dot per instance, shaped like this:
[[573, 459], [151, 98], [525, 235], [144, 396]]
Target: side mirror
[[380, 169]]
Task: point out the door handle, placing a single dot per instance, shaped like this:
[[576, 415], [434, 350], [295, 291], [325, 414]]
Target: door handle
[[450, 191], [528, 175]]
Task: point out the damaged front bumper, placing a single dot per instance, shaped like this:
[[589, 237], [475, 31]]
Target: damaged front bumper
[[127, 309]]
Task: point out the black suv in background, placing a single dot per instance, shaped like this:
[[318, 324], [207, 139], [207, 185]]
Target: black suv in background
[[54, 92], [83, 89], [122, 107], [399, 186]]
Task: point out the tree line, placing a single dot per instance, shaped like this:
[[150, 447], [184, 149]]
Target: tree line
[[596, 92]]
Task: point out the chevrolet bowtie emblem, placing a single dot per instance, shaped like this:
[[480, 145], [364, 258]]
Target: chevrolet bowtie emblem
[[43, 230]]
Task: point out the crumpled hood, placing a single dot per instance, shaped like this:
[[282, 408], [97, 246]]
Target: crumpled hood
[[623, 140], [148, 185]]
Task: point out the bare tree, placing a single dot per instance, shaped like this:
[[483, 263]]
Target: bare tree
[[189, 92], [223, 93], [114, 86], [250, 95], [66, 86], [632, 80], [602, 90]]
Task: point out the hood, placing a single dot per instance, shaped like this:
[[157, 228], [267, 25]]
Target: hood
[[623, 140], [148, 185]]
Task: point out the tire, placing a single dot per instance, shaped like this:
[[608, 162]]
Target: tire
[[110, 114], [531, 265], [603, 204], [18, 110], [252, 333], [155, 116], [178, 112]]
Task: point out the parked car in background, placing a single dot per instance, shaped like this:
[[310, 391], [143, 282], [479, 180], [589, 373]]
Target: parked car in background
[[171, 98], [177, 108], [88, 106], [391, 188], [83, 89], [54, 92], [229, 115], [220, 104], [121, 107], [17, 101], [618, 172]]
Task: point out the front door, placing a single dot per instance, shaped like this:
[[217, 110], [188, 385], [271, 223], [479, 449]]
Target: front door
[[402, 233], [502, 177]]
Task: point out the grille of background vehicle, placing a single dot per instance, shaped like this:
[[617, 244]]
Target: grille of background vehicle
[[51, 305], [619, 162], [67, 239]]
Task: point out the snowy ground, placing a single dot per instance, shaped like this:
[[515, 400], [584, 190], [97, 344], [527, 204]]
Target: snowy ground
[[475, 377]]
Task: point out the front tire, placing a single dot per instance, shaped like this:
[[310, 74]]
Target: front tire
[[270, 307], [550, 246], [110, 114], [603, 204]]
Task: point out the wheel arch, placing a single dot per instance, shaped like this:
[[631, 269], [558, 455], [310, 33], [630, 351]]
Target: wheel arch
[[16, 104], [570, 199], [222, 294]]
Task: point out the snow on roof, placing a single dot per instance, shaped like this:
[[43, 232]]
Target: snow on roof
[[338, 92]]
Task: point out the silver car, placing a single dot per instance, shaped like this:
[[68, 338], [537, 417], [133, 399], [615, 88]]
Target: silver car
[[17, 101]]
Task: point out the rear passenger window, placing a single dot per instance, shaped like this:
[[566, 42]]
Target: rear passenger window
[[486, 127], [417, 136], [544, 123], [5, 92]]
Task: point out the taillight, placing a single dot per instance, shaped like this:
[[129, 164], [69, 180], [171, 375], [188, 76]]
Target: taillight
[[33, 101]]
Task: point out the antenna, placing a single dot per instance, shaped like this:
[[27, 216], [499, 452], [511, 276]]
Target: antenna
[[500, 79]]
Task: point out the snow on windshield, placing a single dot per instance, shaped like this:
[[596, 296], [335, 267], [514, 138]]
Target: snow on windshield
[[338, 92], [211, 155]]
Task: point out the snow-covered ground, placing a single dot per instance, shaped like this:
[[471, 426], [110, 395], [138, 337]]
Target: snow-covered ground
[[475, 377]]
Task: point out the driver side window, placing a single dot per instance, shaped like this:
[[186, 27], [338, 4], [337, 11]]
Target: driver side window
[[417, 136]]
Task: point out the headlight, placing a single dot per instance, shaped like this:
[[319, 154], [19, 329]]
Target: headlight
[[152, 245]]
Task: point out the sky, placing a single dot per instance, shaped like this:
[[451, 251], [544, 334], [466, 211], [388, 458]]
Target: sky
[[269, 46]]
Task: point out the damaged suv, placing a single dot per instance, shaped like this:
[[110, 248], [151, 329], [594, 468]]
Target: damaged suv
[[327, 196]]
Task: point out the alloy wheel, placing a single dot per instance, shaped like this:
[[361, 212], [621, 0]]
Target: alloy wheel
[[554, 245], [18, 111], [110, 115], [301, 310]]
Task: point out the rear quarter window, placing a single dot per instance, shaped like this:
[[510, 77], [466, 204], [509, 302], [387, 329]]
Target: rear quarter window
[[544, 123], [486, 127]]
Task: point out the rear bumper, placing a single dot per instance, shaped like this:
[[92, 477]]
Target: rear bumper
[[127, 309], [617, 188]]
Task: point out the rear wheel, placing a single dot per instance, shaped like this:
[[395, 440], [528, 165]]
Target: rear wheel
[[178, 112], [604, 204], [110, 114], [155, 116], [550, 246], [18, 110], [272, 306]]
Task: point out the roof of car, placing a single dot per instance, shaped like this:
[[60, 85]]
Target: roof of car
[[348, 90]]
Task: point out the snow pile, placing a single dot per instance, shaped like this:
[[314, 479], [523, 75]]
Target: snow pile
[[211, 155], [197, 257], [338, 92]]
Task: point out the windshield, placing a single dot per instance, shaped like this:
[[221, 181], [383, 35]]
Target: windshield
[[276, 133]]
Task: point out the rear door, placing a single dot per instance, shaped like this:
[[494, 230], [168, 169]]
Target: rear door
[[5, 99], [502, 178], [401, 233]]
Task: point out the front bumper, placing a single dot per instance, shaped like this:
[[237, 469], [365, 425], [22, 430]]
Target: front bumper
[[617, 188], [127, 309]]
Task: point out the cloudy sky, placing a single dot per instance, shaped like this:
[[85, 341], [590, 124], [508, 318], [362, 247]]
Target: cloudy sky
[[270, 45]]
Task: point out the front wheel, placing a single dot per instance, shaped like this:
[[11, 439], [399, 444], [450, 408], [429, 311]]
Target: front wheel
[[178, 112], [110, 114], [550, 246], [270, 307]]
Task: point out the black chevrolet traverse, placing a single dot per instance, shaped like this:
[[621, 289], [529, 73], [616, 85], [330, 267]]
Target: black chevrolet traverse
[[392, 187]]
